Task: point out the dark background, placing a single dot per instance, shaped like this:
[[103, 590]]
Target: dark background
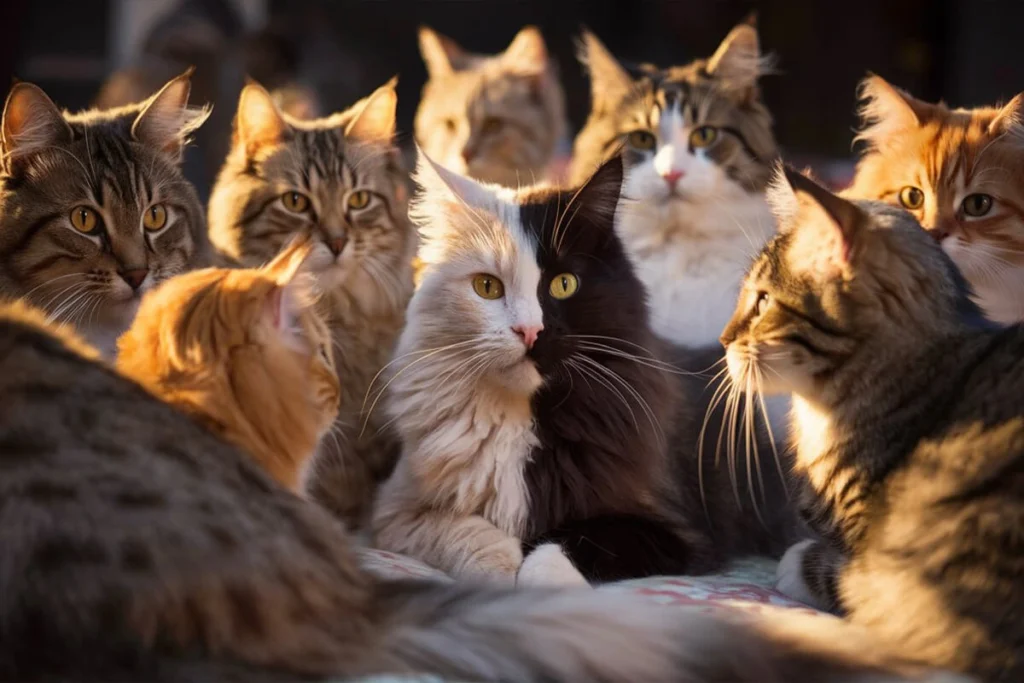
[[965, 52]]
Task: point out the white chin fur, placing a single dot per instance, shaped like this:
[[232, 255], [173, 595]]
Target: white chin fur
[[548, 565]]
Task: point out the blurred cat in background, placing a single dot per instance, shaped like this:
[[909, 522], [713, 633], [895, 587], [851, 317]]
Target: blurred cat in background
[[245, 352], [340, 179], [94, 208], [497, 118], [698, 147], [961, 173]]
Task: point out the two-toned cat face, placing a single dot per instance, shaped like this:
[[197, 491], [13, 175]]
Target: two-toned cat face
[[94, 208], [527, 284], [337, 178], [494, 118], [841, 280], [686, 131], [961, 173]]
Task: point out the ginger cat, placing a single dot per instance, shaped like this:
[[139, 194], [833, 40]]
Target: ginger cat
[[244, 352]]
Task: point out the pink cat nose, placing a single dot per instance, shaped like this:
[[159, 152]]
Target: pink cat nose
[[528, 333], [672, 177], [134, 276], [337, 245]]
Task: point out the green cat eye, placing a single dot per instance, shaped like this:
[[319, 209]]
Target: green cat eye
[[642, 140], [911, 197], [296, 202], [488, 287], [358, 200], [977, 205], [564, 286], [703, 136]]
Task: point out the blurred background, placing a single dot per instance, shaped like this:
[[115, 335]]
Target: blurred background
[[87, 52]]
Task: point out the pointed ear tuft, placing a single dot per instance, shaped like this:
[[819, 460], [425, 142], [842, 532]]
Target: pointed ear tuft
[[376, 121], [846, 218], [609, 82], [1010, 119], [31, 123], [166, 122], [258, 123], [527, 54], [737, 62], [887, 111], [440, 54]]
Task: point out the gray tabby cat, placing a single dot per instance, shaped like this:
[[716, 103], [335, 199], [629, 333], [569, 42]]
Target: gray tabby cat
[[496, 118], [94, 209], [908, 422], [698, 152], [340, 178], [139, 546]]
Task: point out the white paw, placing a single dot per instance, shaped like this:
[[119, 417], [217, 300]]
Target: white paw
[[547, 565], [789, 577]]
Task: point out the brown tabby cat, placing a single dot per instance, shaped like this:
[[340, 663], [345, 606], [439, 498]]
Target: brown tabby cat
[[961, 173], [340, 179], [140, 546], [496, 118], [94, 210], [907, 420], [246, 353]]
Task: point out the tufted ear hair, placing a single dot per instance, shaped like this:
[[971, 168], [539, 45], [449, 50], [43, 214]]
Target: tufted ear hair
[[376, 120], [31, 123], [166, 121], [609, 82]]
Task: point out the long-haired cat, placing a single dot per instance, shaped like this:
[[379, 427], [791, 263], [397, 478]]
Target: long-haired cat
[[340, 179], [498, 118], [94, 209], [138, 545], [907, 420], [698, 148], [245, 352], [531, 401], [961, 173]]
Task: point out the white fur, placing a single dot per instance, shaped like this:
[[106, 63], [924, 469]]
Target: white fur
[[548, 565], [789, 579], [692, 249]]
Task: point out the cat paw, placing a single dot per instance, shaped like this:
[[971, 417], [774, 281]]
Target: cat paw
[[789, 576], [498, 563], [548, 566]]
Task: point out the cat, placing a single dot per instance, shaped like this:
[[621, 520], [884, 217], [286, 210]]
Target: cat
[[497, 118], [140, 546], [907, 420], [698, 146], [959, 171], [340, 178], [210, 343], [534, 411], [94, 210]]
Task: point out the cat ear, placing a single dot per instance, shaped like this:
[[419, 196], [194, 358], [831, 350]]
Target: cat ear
[[527, 54], [166, 122], [887, 111], [258, 123], [376, 120], [1010, 118], [438, 184], [31, 122], [440, 54], [609, 82], [737, 62], [599, 196], [292, 289]]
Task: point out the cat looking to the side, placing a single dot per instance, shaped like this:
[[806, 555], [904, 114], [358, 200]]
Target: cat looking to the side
[[961, 173], [340, 179], [497, 118], [907, 420], [698, 147], [245, 352], [94, 209]]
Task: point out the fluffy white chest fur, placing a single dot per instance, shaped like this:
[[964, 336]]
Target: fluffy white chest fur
[[692, 256]]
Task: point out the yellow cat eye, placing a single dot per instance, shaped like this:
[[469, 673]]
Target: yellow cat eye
[[358, 200], [642, 140], [488, 286], [563, 286], [977, 205], [911, 197], [491, 126], [155, 217], [84, 219], [295, 202], [703, 136]]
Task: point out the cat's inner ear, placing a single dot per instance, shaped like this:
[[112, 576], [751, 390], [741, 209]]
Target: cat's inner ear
[[441, 55], [258, 123], [887, 111], [166, 122], [827, 228], [737, 62], [527, 54], [291, 293], [609, 82], [31, 122], [375, 122]]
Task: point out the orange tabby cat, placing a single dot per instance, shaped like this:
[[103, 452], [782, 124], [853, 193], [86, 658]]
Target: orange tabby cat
[[244, 352]]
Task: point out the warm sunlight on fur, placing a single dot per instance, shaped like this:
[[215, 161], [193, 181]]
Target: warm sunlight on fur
[[245, 352]]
